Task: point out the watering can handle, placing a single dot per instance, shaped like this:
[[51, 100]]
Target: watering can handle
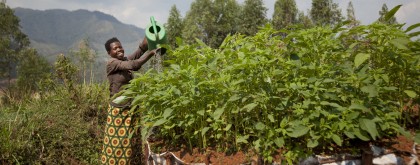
[[152, 20]]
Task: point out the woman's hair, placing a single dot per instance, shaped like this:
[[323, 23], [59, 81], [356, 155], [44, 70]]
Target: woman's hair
[[109, 42]]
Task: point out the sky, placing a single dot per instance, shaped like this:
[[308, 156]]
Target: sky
[[138, 12]]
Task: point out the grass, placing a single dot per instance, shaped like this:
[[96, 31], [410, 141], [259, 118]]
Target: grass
[[55, 128]]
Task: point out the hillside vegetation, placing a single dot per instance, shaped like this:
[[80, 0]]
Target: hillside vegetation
[[57, 31]]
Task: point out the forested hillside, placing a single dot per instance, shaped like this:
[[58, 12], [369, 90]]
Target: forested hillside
[[57, 31]]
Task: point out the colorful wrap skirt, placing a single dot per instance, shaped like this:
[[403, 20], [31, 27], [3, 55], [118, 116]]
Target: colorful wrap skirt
[[122, 144]]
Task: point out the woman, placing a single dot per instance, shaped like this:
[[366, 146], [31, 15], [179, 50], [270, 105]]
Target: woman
[[119, 147]]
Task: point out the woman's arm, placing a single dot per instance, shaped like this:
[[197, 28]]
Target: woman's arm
[[115, 64], [145, 57], [136, 55], [140, 51]]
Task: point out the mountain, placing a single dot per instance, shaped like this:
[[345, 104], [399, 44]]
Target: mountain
[[57, 31]]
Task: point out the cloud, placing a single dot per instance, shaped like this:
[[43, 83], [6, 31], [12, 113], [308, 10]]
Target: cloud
[[138, 12], [409, 13]]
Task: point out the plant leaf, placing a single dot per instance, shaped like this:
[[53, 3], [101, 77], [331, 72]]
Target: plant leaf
[[414, 34], [349, 134], [201, 112], [204, 130], [228, 127], [312, 143], [392, 12], [271, 118], [250, 106], [361, 135], [369, 126], [358, 106], [371, 89], [400, 43], [167, 113], [412, 27], [218, 113], [242, 139], [234, 98], [353, 115], [337, 139], [259, 126], [299, 131], [159, 122], [121, 100], [360, 58], [410, 93], [279, 142]]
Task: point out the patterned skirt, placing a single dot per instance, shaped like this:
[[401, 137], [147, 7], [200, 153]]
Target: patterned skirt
[[121, 144]]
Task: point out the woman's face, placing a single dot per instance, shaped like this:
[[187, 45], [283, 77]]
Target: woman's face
[[117, 51]]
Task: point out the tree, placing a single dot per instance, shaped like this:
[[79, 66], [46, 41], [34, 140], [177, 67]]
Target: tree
[[32, 69], [65, 71], [227, 12], [285, 13], [210, 21], [351, 16], [325, 12], [85, 56], [12, 40], [336, 13], [174, 26], [253, 15], [304, 20], [382, 15], [198, 21]]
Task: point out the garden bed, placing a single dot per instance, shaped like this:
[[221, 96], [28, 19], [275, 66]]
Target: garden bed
[[401, 146]]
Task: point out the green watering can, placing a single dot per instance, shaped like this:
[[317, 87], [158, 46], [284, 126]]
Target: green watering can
[[155, 34]]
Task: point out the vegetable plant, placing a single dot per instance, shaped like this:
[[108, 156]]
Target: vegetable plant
[[312, 88]]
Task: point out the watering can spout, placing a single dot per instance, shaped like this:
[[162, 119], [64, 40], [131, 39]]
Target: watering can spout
[[155, 34]]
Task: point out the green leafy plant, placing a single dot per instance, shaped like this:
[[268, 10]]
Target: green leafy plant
[[318, 87]]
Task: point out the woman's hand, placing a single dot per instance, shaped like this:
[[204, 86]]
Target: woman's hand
[[154, 51]]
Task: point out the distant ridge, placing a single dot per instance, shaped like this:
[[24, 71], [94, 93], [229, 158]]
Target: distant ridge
[[57, 31]]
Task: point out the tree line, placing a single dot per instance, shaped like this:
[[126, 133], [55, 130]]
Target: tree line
[[211, 21]]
